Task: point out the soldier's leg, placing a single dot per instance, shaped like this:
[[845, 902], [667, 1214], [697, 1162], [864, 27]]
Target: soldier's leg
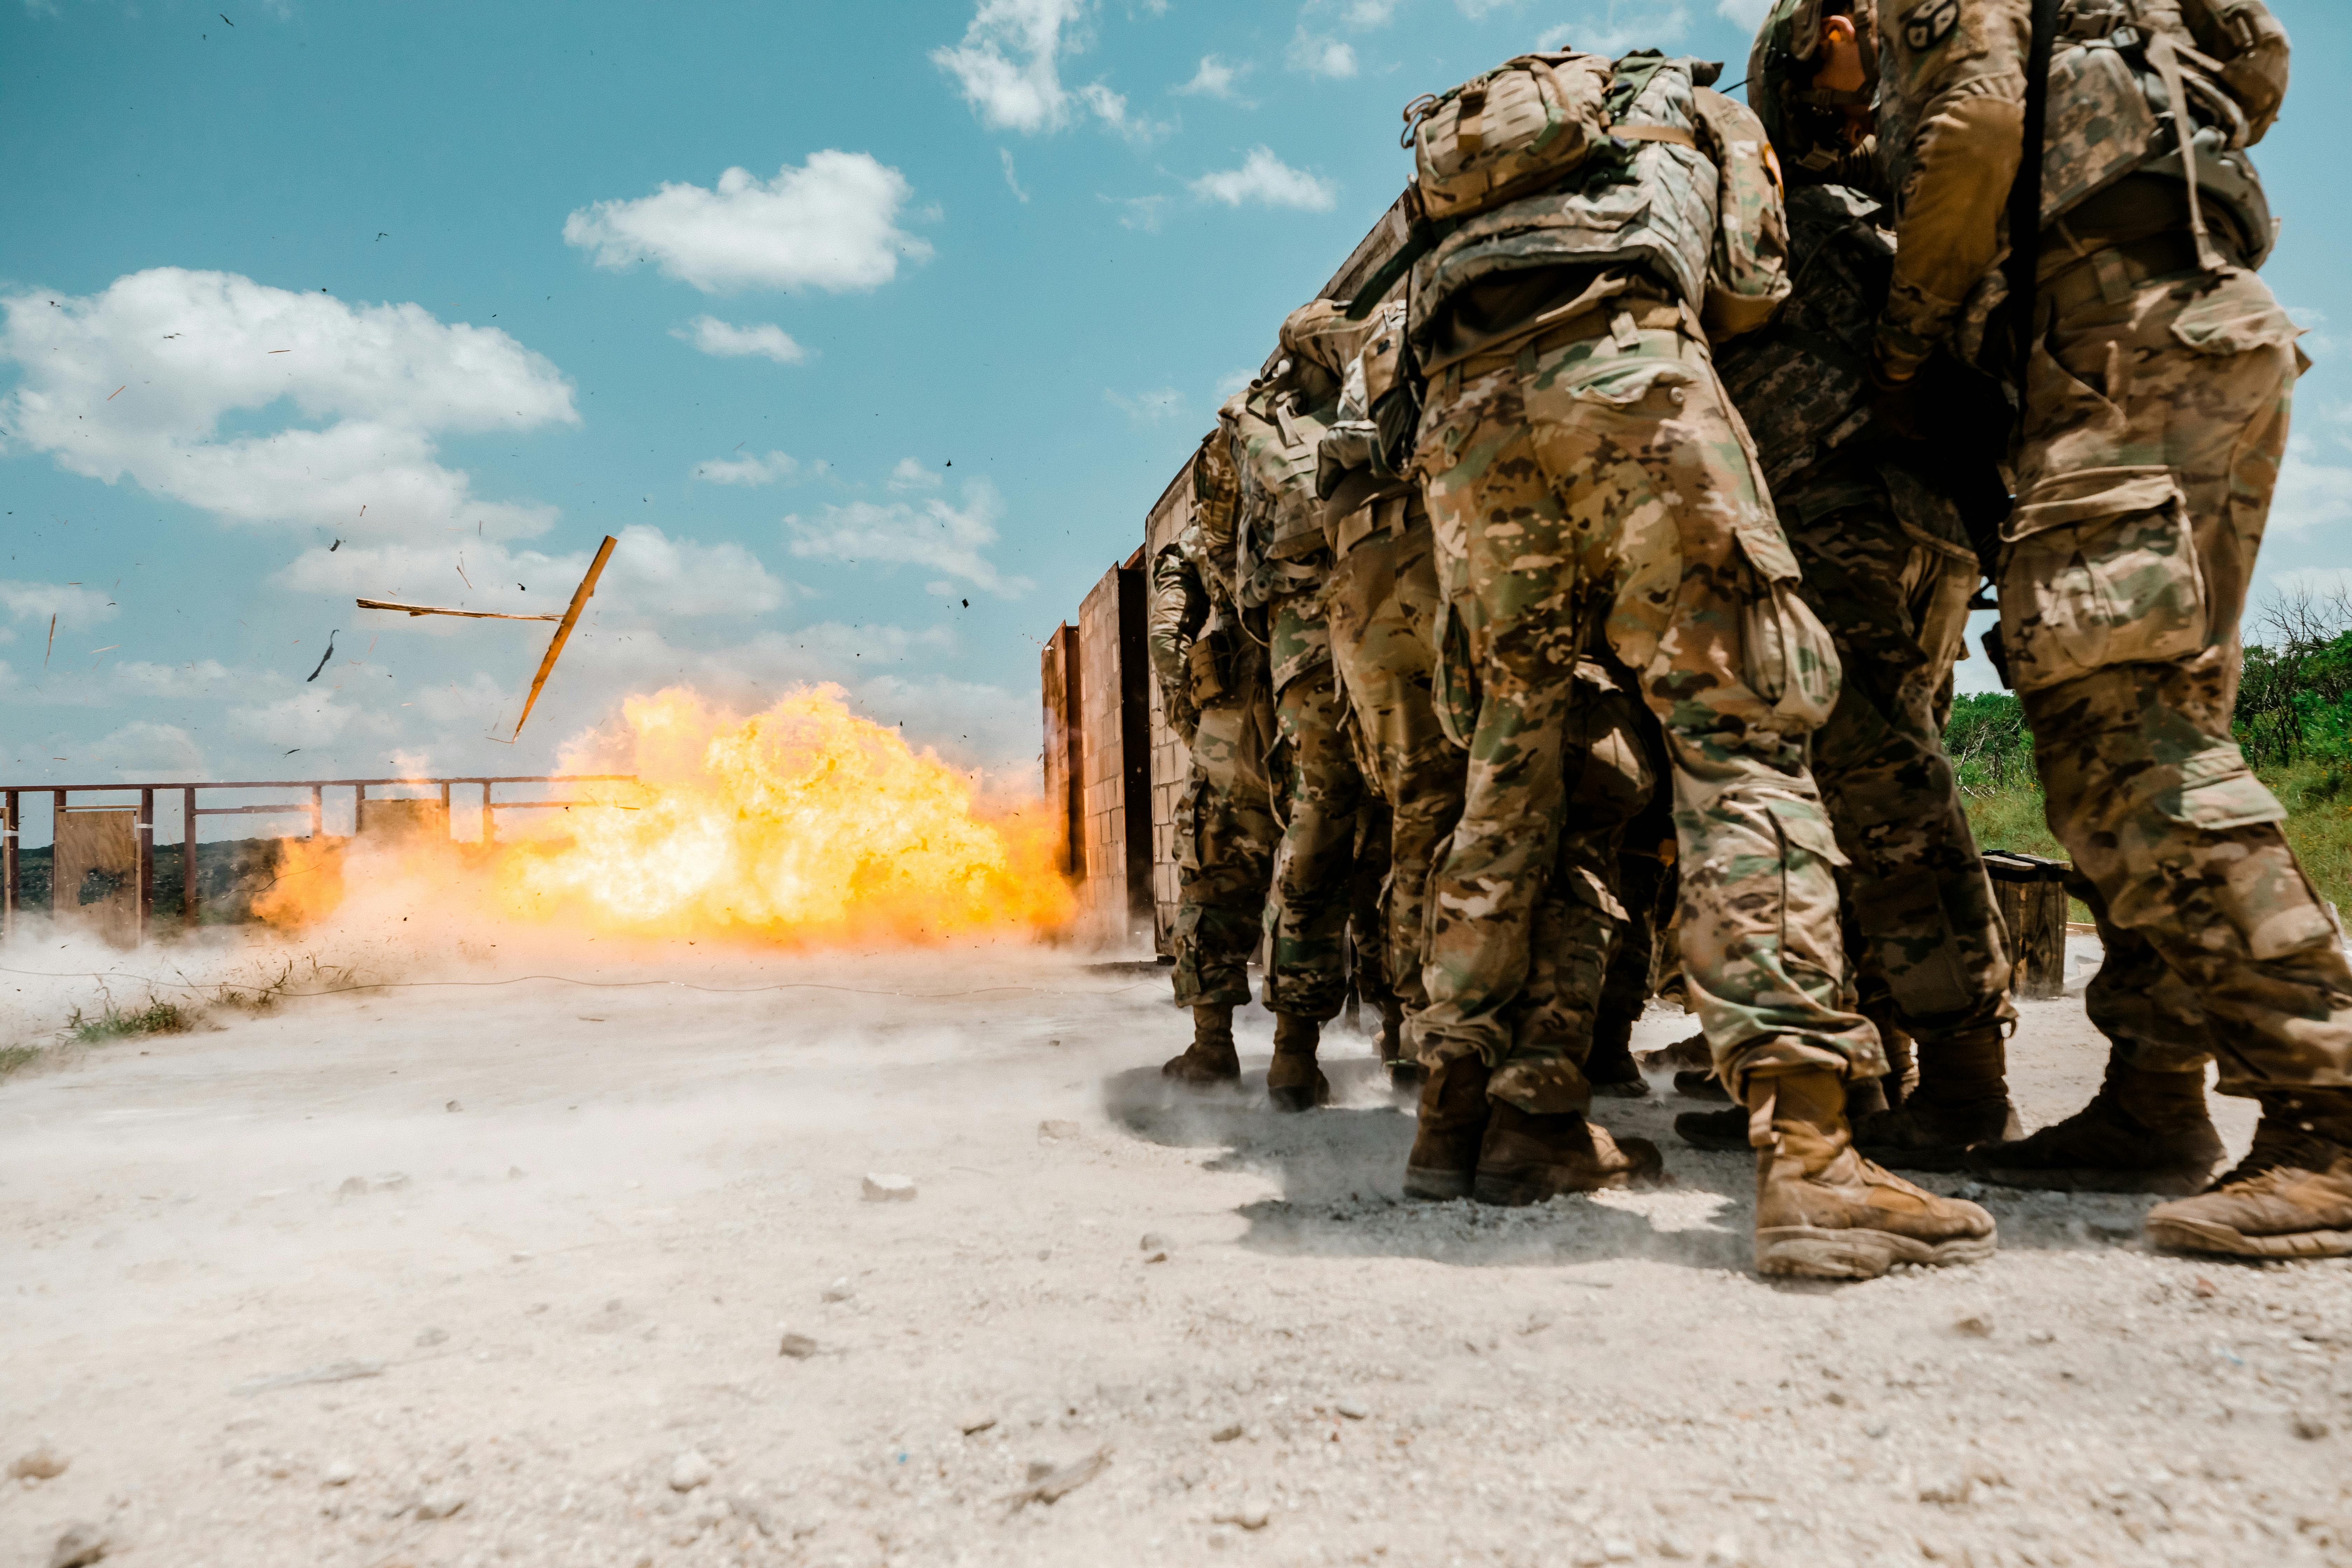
[[1224, 840], [1495, 513], [2155, 429], [1644, 886], [1314, 873], [1931, 938], [1638, 439], [1368, 917], [1383, 604]]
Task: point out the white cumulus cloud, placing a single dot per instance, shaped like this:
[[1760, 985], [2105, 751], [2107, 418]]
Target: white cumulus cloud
[[650, 574], [776, 467], [831, 224], [911, 474], [1215, 79], [1264, 180], [1623, 24], [1009, 67], [763, 340], [933, 533], [1747, 13], [139, 380], [70, 603], [1318, 54]]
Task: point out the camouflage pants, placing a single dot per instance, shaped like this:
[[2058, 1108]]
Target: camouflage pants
[[1317, 790], [2155, 422], [1226, 836], [1921, 905], [1606, 480], [1382, 602]]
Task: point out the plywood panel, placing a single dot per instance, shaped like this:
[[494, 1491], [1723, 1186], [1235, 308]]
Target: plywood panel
[[392, 821], [1172, 760], [1063, 754], [94, 880]]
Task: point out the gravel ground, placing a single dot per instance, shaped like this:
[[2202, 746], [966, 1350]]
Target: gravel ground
[[542, 1273]]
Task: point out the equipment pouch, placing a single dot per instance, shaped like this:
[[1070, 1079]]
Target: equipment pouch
[[1209, 668], [1520, 127], [2099, 127], [1790, 660], [1454, 679], [2100, 568]]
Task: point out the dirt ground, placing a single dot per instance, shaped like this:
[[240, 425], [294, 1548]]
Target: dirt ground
[[537, 1271]]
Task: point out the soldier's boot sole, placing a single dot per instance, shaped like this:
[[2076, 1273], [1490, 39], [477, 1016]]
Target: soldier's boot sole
[[1623, 1088], [1437, 1186], [1808, 1252], [1408, 1075], [2183, 1234], [1724, 1132]]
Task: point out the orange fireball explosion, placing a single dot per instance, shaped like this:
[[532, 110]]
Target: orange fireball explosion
[[802, 823]]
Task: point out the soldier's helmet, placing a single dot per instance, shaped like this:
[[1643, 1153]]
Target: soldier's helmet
[[1320, 333], [1806, 124]]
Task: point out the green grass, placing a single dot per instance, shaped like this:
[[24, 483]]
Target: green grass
[[112, 1024], [13, 1057]]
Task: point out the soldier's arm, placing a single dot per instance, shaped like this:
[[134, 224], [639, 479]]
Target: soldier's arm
[[1748, 268], [1962, 64], [1179, 606]]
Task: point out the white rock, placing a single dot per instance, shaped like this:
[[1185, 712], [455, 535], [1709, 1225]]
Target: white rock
[[840, 1289], [890, 1189], [339, 1473], [690, 1470], [80, 1546], [1353, 1409], [42, 1463], [439, 1505]]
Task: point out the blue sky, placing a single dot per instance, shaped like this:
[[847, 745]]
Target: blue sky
[[872, 330]]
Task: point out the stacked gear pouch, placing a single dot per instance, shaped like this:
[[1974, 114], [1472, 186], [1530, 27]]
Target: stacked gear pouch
[[1518, 129]]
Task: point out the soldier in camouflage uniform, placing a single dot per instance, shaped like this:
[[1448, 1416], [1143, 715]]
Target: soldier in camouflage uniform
[[1320, 791], [1381, 607], [1592, 489], [1877, 527], [2156, 379], [1213, 686]]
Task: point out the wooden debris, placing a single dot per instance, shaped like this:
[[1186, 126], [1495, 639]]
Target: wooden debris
[[437, 610], [579, 598], [1054, 1485]]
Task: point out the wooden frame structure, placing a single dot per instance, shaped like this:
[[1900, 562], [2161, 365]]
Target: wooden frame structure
[[11, 806]]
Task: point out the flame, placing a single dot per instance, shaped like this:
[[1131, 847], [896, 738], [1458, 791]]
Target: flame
[[801, 824]]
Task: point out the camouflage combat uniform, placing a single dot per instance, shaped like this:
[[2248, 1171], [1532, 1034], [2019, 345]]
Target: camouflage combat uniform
[[1889, 568], [1587, 479], [1317, 788], [1382, 605], [1213, 683], [2156, 390]]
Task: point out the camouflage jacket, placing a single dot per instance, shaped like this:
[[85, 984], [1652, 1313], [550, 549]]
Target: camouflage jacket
[[1951, 125]]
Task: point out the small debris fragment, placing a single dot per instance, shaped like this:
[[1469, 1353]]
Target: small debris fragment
[[353, 1187], [80, 1546], [1976, 1326], [888, 1189], [439, 1505], [1227, 1433], [2204, 1287], [453, 1105], [800, 1347], [426, 1338], [971, 1423], [391, 1182], [1153, 1242], [2310, 1429], [1353, 1409], [1057, 1131], [41, 1464], [1054, 1485], [339, 1473], [1951, 1491], [690, 1470], [840, 1289], [1250, 1515]]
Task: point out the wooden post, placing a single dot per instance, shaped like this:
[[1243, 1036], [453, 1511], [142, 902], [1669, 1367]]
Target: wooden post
[[318, 814], [10, 818], [56, 827], [490, 822], [445, 809], [191, 898], [2031, 894], [146, 826]]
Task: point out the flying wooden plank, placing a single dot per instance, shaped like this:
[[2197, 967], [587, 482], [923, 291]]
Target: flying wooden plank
[[562, 633], [437, 610]]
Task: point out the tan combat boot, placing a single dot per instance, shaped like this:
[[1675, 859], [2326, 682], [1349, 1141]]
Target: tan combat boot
[[1293, 1082], [1211, 1058], [2290, 1197], [2142, 1132], [1823, 1212], [1526, 1158], [1451, 1124], [1962, 1101], [1726, 1130]]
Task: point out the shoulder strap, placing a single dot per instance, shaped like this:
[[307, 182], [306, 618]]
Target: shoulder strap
[[2025, 190]]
